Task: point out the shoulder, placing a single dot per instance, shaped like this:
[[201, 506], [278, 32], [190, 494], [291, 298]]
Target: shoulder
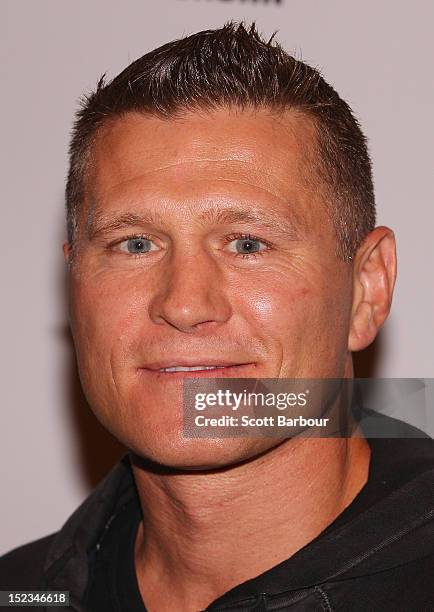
[[23, 567], [29, 566]]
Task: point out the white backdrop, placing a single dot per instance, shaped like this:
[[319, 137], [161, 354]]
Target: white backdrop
[[378, 55]]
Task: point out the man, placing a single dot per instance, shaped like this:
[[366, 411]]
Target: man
[[221, 224]]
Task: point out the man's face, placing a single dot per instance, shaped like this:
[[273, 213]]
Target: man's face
[[202, 242]]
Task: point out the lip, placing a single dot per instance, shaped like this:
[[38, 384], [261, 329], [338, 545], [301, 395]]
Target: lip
[[223, 369]]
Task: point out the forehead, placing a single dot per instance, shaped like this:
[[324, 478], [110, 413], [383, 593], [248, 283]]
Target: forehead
[[252, 146]]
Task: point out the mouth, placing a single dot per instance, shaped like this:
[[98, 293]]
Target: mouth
[[228, 370], [196, 368]]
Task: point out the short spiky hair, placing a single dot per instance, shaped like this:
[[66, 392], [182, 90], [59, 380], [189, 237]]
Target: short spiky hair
[[234, 67]]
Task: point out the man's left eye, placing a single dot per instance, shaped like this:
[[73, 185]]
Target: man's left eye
[[138, 245], [247, 245]]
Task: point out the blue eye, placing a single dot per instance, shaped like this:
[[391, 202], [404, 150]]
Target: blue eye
[[245, 246], [136, 246]]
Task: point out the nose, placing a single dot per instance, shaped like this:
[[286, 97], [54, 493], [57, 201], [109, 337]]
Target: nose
[[192, 294]]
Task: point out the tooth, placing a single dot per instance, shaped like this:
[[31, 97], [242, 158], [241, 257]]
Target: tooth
[[189, 369]]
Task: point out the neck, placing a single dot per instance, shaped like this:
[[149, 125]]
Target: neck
[[207, 532]]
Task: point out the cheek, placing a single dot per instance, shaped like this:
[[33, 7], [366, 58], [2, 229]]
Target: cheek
[[103, 313], [278, 305], [302, 320]]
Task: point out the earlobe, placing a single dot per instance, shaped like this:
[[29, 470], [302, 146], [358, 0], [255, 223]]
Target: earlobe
[[66, 247], [373, 282]]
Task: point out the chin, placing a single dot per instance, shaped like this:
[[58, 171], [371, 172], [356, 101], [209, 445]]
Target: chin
[[195, 455]]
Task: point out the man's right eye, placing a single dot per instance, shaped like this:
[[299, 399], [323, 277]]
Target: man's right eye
[[137, 245]]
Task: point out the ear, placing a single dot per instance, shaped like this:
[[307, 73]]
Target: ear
[[374, 275], [67, 252]]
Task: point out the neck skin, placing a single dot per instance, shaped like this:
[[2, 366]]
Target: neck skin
[[206, 533]]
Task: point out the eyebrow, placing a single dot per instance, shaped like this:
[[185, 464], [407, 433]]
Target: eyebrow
[[102, 223], [99, 222]]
